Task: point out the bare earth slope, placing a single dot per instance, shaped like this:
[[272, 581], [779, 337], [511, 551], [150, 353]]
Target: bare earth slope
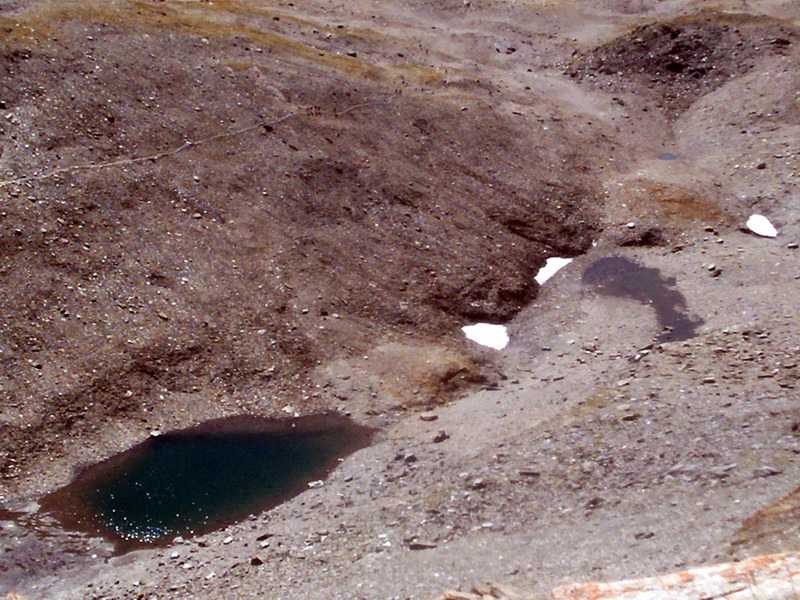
[[215, 208], [285, 187]]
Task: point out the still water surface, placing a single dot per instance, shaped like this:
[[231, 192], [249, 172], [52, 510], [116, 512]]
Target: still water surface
[[196, 480]]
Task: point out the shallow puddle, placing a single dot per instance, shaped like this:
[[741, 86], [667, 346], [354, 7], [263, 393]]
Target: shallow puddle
[[196, 480], [623, 278], [667, 156]]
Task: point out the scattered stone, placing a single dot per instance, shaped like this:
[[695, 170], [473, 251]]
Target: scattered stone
[[723, 471], [456, 595], [256, 561], [479, 483], [594, 503], [792, 246], [227, 540], [441, 437], [417, 545], [529, 473], [766, 471], [264, 536], [428, 417], [489, 591], [409, 458]]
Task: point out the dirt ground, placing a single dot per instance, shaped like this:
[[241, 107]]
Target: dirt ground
[[216, 208]]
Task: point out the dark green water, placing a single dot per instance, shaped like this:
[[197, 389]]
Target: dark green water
[[196, 480]]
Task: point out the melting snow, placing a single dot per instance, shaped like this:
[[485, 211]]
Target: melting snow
[[496, 336], [553, 266], [760, 225], [485, 334]]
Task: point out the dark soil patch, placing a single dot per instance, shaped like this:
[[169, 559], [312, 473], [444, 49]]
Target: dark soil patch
[[771, 530], [650, 237], [677, 62], [620, 277]]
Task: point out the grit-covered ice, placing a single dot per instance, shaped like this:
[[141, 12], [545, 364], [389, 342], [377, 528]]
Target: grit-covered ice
[[551, 267], [760, 225], [486, 334]]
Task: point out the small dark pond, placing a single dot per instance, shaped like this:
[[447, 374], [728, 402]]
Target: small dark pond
[[623, 278], [668, 156], [196, 480]]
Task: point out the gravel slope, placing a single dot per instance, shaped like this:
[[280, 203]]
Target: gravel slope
[[582, 451]]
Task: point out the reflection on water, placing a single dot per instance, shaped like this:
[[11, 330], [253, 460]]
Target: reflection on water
[[199, 479]]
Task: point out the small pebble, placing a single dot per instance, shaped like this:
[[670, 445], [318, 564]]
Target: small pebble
[[441, 437]]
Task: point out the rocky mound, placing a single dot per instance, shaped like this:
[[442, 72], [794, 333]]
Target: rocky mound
[[674, 63]]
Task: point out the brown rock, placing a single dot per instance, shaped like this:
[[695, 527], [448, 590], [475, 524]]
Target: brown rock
[[417, 545], [771, 577], [441, 437]]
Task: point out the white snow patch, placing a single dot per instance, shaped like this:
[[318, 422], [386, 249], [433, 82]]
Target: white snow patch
[[760, 225], [486, 334], [553, 266]]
